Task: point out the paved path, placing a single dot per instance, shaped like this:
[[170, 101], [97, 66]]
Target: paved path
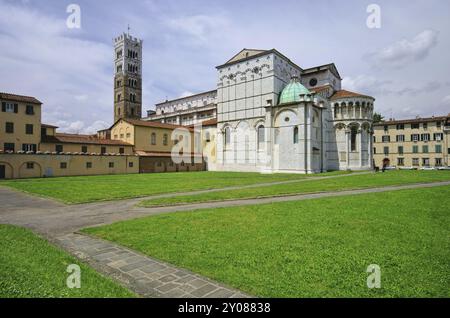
[[144, 275]]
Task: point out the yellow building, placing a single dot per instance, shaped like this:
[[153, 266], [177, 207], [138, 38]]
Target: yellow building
[[412, 143], [154, 142], [31, 149], [20, 123]]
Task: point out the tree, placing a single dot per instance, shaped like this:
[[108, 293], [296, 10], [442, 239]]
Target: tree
[[377, 117]]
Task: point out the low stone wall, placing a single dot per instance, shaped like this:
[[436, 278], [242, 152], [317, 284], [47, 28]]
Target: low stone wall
[[15, 166], [165, 164]]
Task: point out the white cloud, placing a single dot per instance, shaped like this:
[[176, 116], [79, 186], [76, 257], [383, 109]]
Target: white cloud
[[365, 84], [406, 51], [198, 26]]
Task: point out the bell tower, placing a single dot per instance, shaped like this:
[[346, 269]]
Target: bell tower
[[127, 77]]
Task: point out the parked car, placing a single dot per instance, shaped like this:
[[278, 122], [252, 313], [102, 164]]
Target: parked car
[[408, 168], [443, 168], [427, 168]]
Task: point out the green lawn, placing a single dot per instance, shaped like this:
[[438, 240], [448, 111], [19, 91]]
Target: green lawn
[[30, 267], [312, 248], [388, 178], [110, 187]]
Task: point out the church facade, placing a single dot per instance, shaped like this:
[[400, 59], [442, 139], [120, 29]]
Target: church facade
[[274, 116]]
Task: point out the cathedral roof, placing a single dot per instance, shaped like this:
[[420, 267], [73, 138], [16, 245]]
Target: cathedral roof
[[347, 94], [291, 93]]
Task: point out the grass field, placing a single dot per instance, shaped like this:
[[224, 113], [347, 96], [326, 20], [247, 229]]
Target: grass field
[[30, 267], [110, 187], [388, 178], [313, 248]]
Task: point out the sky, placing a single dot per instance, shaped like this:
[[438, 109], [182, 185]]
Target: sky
[[404, 63]]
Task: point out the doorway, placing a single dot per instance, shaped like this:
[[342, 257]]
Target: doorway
[[2, 172]]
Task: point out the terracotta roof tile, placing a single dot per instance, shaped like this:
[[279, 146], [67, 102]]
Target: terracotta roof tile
[[347, 94], [19, 98], [153, 124], [82, 139], [412, 121]]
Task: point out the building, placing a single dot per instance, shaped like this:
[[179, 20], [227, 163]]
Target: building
[[412, 143], [274, 116], [157, 144], [127, 77], [29, 148]]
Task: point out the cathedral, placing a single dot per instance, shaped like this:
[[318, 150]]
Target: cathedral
[[268, 114]]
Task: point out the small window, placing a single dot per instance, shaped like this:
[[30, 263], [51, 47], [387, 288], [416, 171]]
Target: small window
[[438, 148], [9, 146], [400, 126], [103, 150], [84, 149], [296, 135], [415, 149], [386, 150], [59, 148], [30, 165], [111, 164], [353, 133], [227, 135], [130, 164], [415, 126], [121, 150], [29, 129], [63, 165], [425, 125], [313, 82], [9, 128], [425, 149], [165, 139], [153, 139], [29, 110], [400, 161], [88, 165], [400, 150], [261, 134]]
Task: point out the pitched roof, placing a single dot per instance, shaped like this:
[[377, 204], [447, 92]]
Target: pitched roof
[[82, 139], [261, 53], [347, 94], [330, 66], [181, 98], [413, 120], [19, 98], [48, 126], [245, 53], [153, 124]]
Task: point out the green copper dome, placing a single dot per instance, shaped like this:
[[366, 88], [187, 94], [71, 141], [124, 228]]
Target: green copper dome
[[291, 93]]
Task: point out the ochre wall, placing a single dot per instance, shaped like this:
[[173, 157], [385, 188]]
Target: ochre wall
[[20, 119], [91, 148], [49, 165]]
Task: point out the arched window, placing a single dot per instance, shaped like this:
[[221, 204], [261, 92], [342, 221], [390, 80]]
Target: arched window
[[261, 135], [153, 139], [353, 133], [227, 135], [295, 135]]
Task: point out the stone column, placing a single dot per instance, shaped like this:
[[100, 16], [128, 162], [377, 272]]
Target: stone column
[[370, 150], [347, 146], [361, 133]]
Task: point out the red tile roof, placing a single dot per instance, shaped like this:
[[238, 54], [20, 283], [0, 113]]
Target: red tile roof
[[412, 121], [347, 94], [82, 139], [153, 124], [19, 98]]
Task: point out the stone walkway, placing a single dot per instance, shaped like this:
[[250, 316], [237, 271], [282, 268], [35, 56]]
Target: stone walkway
[[144, 275]]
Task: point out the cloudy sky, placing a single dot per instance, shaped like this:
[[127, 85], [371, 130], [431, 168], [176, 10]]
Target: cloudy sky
[[404, 64]]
